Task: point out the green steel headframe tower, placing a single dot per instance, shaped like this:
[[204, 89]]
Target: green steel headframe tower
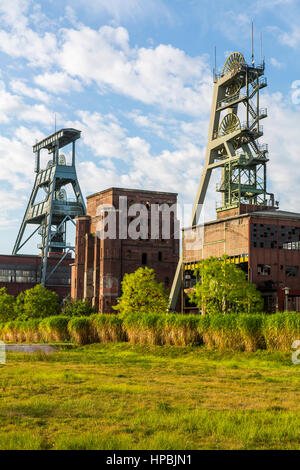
[[51, 212], [233, 145]]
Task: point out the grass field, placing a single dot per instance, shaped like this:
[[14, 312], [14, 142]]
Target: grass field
[[120, 396]]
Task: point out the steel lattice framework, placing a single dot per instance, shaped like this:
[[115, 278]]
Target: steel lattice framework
[[233, 144], [50, 215]]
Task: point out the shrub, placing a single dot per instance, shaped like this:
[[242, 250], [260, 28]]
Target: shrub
[[78, 308], [54, 328], [223, 288], [80, 330], [7, 303], [37, 302], [142, 294]]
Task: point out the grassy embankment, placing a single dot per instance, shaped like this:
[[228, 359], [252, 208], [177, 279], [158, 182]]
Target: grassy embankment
[[124, 396]]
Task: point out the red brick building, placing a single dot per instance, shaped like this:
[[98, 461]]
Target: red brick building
[[21, 272], [100, 263], [265, 243]]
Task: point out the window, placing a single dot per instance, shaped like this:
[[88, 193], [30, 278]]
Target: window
[[292, 271], [263, 269], [159, 256], [144, 258]]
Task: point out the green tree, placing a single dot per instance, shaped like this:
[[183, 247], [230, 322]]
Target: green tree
[[77, 308], [7, 303], [37, 302], [223, 288], [141, 293]]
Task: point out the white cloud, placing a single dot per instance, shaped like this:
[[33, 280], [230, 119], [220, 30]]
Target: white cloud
[[101, 133], [276, 63], [133, 10], [282, 135], [20, 87], [58, 82], [165, 75], [20, 41], [291, 38], [16, 163], [13, 107]]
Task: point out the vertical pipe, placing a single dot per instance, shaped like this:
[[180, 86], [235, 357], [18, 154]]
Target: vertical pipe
[[73, 153]]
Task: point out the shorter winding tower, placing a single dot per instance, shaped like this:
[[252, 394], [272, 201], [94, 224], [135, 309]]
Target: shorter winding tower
[[50, 208]]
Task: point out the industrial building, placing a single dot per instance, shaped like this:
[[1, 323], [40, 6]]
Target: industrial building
[[262, 240], [100, 263], [265, 244], [21, 272]]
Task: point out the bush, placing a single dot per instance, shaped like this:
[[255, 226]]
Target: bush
[[222, 288], [78, 308], [37, 302], [142, 294], [7, 303]]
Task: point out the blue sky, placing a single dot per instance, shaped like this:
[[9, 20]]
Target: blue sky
[[136, 78]]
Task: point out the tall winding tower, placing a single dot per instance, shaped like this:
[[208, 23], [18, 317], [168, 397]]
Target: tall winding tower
[[49, 208], [233, 146]]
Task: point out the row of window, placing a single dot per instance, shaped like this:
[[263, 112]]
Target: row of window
[[265, 270], [145, 257], [273, 236]]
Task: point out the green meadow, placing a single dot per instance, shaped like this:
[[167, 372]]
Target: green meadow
[[125, 396]]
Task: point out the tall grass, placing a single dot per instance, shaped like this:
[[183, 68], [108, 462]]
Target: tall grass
[[54, 328], [144, 329], [80, 330], [20, 331], [280, 330], [243, 332], [107, 328], [181, 330]]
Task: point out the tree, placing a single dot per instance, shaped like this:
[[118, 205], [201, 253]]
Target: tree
[[78, 308], [223, 288], [141, 293], [7, 303], [37, 302]]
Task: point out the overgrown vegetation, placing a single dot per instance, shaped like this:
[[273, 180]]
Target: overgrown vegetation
[[37, 302], [142, 294], [7, 302], [77, 308], [243, 332], [222, 288]]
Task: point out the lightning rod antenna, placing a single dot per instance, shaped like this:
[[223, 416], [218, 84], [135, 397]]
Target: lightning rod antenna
[[252, 50], [215, 63]]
